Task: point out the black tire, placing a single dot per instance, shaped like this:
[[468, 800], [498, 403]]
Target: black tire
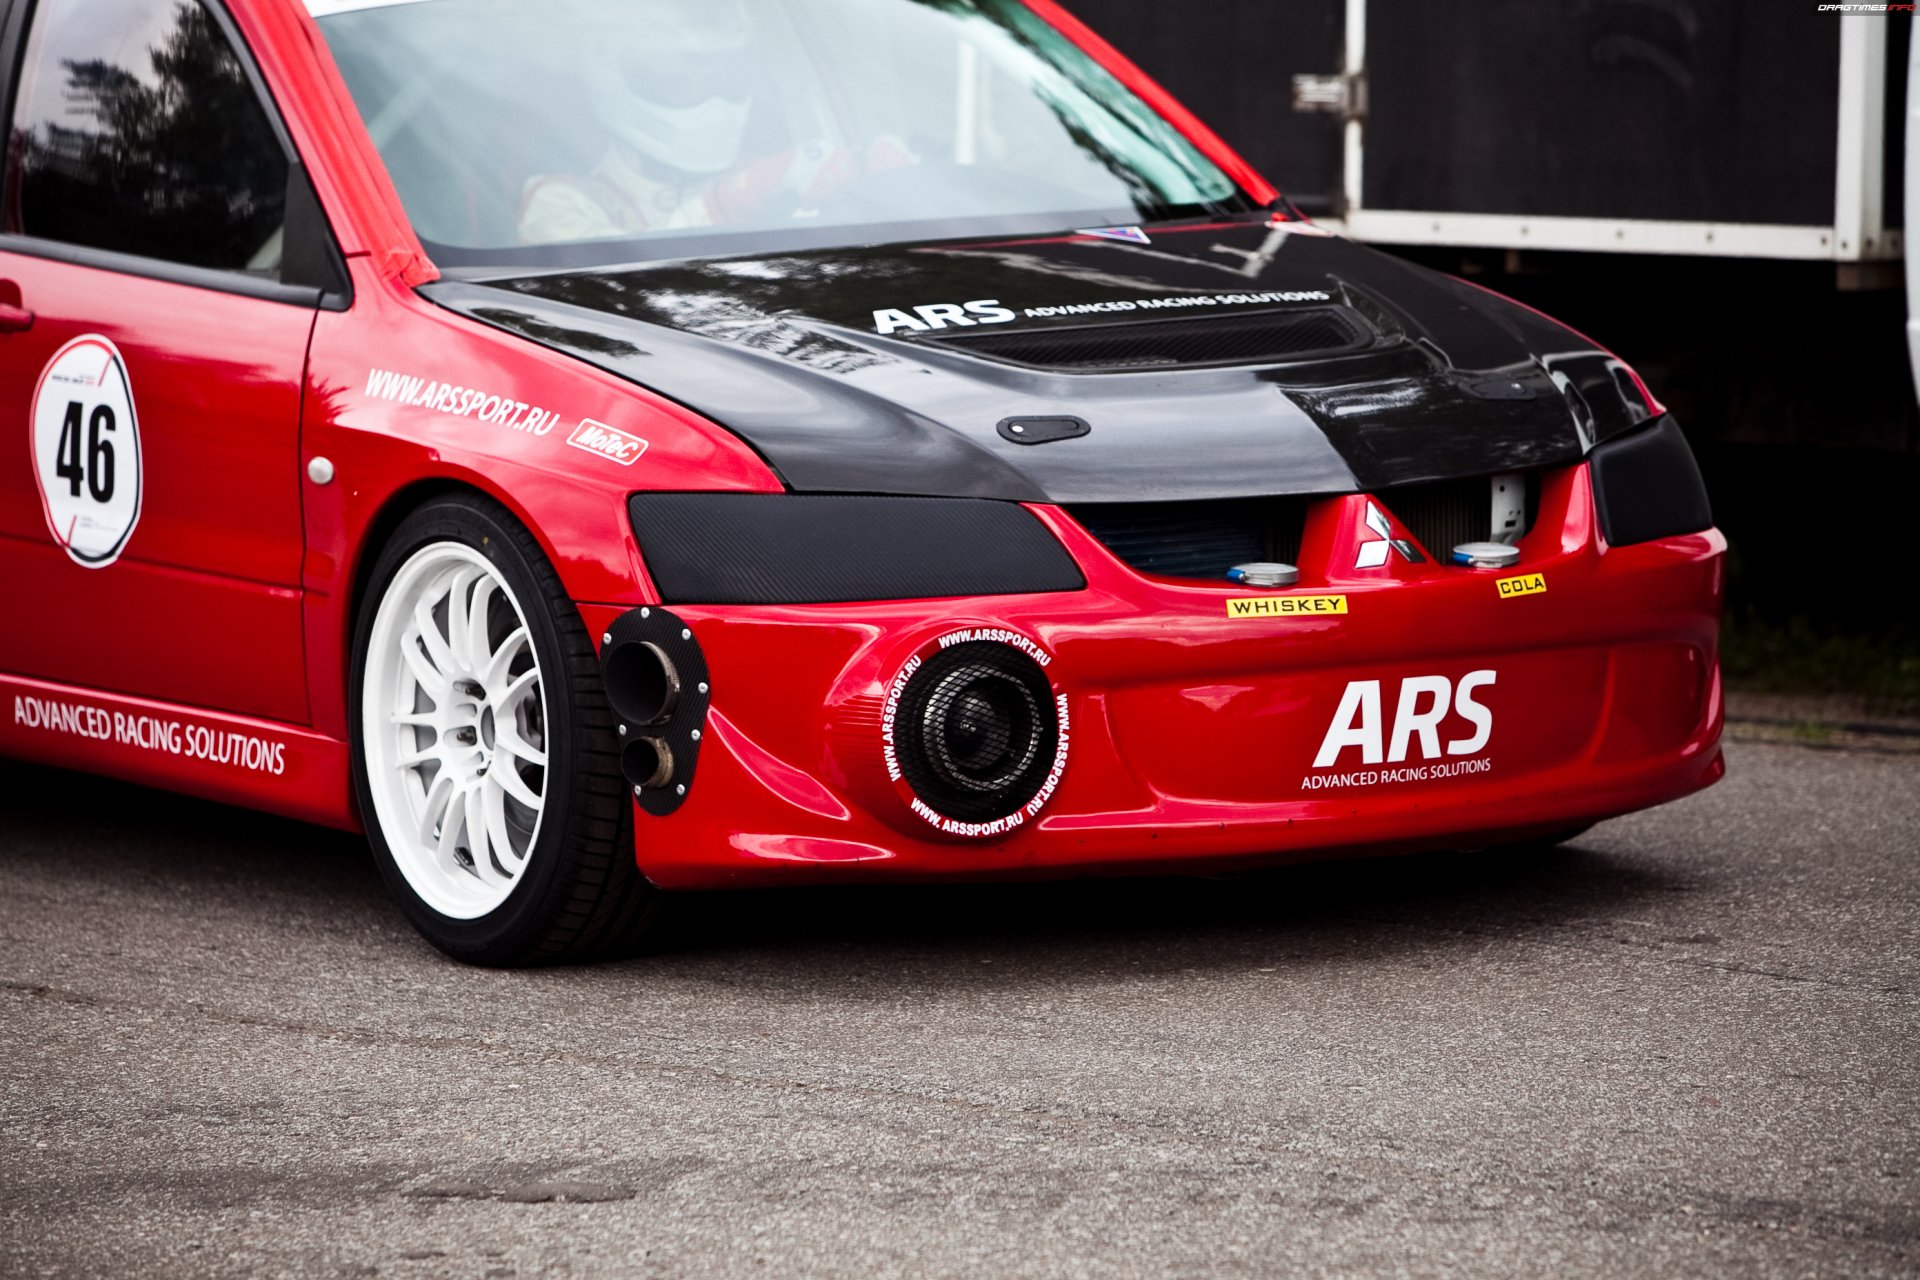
[[581, 895]]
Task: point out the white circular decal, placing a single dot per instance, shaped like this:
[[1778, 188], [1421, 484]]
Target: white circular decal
[[86, 451]]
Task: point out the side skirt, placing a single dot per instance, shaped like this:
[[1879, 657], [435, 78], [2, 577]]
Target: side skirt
[[259, 764]]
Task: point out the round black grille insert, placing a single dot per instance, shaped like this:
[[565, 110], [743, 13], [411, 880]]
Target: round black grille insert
[[976, 732]]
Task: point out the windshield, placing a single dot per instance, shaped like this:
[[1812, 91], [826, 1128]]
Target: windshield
[[585, 132]]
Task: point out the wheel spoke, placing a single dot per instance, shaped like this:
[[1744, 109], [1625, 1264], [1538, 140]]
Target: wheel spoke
[[438, 651], [450, 827], [421, 665], [477, 835], [435, 812], [458, 607], [507, 739], [417, 756], [508, 779], [502, 660], [498, 832], [472, 644], [504, 705]]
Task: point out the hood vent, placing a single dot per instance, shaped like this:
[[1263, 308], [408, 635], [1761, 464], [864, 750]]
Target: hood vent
[[1260, 337]]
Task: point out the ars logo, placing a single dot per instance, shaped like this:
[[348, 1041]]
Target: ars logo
[[1423, 703], [938, 315]]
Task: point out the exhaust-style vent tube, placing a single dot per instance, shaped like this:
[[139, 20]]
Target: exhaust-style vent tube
[[647, 762], [659, 690], [642, 682]]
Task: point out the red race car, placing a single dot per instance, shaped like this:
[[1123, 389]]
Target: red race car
[[605, 447]]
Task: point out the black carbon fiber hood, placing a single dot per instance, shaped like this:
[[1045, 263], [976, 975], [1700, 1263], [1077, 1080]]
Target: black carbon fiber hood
[[1211, 361]]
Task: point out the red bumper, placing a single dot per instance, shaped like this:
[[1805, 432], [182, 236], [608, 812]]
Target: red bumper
[[1200, 739]]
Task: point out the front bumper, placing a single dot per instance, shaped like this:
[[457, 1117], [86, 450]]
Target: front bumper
[[1197, 740]]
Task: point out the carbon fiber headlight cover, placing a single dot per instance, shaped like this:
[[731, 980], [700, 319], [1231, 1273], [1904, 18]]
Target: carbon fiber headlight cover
[[1646, 485], [787, 548]]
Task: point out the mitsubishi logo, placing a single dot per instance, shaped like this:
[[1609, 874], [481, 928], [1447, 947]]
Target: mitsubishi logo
[[1374, 554]]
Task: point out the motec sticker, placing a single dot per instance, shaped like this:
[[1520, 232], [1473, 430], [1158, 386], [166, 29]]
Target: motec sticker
[[608, 442], [86, 451], [1527, 584], [1285, 606]]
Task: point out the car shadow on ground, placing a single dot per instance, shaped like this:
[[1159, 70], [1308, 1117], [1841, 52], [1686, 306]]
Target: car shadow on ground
[[1297, 915], [90, 826], [83, 828], [80, 828]]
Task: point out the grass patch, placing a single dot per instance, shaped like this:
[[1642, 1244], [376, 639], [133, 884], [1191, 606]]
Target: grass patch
[[1765, 655], [1816, 732]]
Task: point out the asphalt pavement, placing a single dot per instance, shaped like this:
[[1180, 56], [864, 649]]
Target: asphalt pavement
[[1687, 1045]]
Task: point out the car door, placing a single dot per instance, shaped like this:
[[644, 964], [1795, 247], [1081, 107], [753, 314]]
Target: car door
[[161, 262]]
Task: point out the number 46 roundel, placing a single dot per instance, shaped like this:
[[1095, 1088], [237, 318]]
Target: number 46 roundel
[[86, 451]]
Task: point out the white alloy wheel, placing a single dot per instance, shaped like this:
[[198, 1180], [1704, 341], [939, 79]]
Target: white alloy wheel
[[453, 724]]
